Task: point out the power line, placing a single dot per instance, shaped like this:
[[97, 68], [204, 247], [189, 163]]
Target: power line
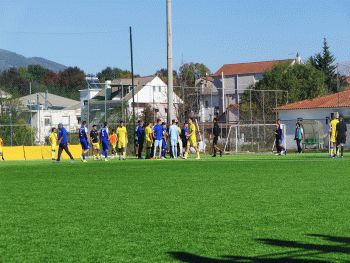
[[61, 33]]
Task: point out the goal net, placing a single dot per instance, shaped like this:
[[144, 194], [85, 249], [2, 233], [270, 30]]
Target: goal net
[[250, 138]]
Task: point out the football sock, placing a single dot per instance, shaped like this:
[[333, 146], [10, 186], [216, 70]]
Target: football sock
[[198, 154], [124, 154], [342, 150], [106, 154], [154, 153], [186, 153], [83, 156], [214, 151], [175, 152], [160, 154], [52, 154], [283, 148]]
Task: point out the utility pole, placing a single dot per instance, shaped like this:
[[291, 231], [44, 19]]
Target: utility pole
[[132, 82], [170, 64]]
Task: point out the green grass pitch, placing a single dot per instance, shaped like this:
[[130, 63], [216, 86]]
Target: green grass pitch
[[242, 208]]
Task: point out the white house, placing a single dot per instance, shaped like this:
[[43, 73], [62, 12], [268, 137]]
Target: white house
[[231, 80], [44, 111], [150, 91], [315, 115]]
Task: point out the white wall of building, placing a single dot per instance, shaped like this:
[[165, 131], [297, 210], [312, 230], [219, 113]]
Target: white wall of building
[[290, 117], [45, 120]]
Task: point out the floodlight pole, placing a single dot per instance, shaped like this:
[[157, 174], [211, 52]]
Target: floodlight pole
[[170, 64], [132, 82]]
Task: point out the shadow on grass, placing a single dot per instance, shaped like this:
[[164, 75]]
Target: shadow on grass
[[303, 250]]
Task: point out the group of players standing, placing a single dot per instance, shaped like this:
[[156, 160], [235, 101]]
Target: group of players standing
[[337, 134], [153, 137]]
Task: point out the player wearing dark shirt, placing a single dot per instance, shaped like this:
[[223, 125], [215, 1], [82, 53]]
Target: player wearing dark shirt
[[94, 139], [184, 139], [278, 136], [216, 133], [341, 134]]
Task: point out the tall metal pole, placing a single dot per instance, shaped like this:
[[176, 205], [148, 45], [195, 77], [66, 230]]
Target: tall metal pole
[[132, 81], [170, 63], [31, 124]]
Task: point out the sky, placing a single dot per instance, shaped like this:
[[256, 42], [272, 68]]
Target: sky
[[95, 34]]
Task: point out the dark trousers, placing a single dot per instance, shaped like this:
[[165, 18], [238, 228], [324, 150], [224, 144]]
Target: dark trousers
[[152, 150], [62, 147], [178, 150], [298, 145], [140, 148], [278, 145]]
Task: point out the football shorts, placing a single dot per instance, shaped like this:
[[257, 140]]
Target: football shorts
[[192, 143], [148, 144], [84, 145], [173, 142], [158, 143], [121, 144], [114, 145], [96, 145], [341, 139], [333, 139]]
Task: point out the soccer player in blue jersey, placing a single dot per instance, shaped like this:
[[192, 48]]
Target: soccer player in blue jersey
[[105, 139], [184, 133], [84, 141], [158, 142], [174, 137]]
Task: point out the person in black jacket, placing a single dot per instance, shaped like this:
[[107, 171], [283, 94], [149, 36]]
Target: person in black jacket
[[216, 133], [341, 134]]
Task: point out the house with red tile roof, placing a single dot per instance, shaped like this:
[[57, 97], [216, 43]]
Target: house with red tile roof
[[231, 80], [318, 110]]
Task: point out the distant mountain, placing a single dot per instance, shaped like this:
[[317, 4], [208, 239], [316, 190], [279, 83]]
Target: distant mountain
[[344, 68], [10, 59]]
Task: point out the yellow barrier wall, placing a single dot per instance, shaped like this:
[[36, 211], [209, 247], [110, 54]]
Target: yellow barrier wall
[[15, 153], [20, 153], [33, 152], [46, 152], [75, 150]]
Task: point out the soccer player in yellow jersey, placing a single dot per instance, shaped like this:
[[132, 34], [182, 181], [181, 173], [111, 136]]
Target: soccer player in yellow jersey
[[1, 143], [192, 139], [122, 138], [149, 139], [179, 144], [113, 140], [331, 135], [53, 142]]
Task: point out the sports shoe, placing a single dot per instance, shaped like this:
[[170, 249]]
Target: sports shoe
[[153, 158], [198, 158], [56, 162], [140, 158], [84, 161], [71, 161], [214, 156], [185, 157], [278, 154], [220, 153], [124, 158], [160, 158], [163, 158], [106, 160]]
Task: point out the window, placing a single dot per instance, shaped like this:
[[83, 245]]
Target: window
[[160, 89], [206, 104], [48, 121], [154, 88], [156, 110], [166, 110]]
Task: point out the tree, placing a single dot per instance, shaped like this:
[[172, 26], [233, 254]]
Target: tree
[[190, 72], [113, 73], [325, 62], [38, 72], [302, 81], [163, 74]]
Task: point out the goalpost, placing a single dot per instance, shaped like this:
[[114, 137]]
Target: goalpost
[[250, 138]]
